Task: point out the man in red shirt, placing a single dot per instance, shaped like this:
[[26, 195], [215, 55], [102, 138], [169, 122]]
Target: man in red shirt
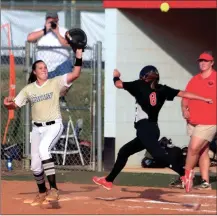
[[201, 121]]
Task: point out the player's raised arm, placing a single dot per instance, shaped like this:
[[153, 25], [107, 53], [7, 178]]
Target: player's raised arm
[[128, 86], [77, 39], [118, 83], [77, 67]]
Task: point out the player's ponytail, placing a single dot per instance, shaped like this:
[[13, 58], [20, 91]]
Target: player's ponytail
[[153, 78], [32, 76]]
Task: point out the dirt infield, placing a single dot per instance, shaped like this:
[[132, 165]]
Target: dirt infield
[[91, 199]]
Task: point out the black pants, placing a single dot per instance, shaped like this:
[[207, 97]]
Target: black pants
[[147, 137]]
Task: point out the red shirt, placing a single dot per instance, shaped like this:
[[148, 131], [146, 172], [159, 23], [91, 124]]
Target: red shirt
[[202, 112]]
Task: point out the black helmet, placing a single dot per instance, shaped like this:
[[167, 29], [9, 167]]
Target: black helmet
[[147, 69]]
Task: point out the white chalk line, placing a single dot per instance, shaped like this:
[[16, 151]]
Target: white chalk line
[[62, 199], [161, 208], [192, 206], [199, 196], [152, 201], [124, 207], [178, 209], [166, 203], [16, 198]]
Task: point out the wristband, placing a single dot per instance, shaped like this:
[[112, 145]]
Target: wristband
[[78, 62], [116, 79], [44, 30]]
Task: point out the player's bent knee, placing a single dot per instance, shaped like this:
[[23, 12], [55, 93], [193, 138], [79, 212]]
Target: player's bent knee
[[45, 156], [44, 153], [36, 167]]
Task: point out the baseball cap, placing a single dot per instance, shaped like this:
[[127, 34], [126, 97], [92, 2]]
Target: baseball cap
[[206, 56], [146, 70], [51, 14]]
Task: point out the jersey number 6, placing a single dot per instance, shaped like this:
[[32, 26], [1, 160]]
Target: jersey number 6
[[153, 98]]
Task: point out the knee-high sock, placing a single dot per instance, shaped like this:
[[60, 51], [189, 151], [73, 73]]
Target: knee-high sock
[[49, 170], [39, 178]]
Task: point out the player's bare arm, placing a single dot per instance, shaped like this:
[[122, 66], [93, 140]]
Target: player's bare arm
[[192, 96], [117, 81], [9, 103], [77, 67]]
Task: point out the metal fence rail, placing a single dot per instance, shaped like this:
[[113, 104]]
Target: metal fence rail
[[77, 148]]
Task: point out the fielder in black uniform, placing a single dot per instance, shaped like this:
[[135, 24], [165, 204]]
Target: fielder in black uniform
[[150, 97]]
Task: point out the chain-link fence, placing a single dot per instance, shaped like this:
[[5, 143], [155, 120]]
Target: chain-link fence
[[76, 148], [12, 129]]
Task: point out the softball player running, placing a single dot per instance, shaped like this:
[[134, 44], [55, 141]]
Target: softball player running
[[150, 97], [43, 95]]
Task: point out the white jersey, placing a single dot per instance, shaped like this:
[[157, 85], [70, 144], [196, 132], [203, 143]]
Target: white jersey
[[44, 99], [52, 57]]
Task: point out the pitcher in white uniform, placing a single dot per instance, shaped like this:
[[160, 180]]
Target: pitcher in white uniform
[[43, 95]]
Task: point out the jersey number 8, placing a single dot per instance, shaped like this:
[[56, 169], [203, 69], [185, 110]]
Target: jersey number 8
[[153, 98]]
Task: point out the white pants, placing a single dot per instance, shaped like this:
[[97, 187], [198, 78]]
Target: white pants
[[42, 141]]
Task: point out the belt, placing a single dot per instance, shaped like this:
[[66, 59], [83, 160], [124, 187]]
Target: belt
[[44, 123]]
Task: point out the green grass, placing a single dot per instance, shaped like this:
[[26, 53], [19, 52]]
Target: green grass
[[123, 179]]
